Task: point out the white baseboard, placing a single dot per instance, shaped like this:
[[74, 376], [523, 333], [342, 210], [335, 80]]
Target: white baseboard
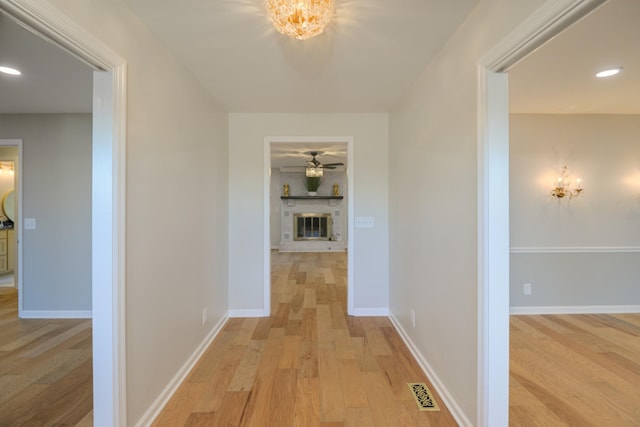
[[156, 407], [56, 314], [371, 312], [247, 313], [577, 309], [451, 404]]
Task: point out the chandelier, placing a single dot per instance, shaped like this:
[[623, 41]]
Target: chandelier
[[300, 19]]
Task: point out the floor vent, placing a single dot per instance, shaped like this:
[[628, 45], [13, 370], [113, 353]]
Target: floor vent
[[423, 397]]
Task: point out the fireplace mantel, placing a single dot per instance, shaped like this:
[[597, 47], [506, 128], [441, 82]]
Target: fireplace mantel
[[312, 197]]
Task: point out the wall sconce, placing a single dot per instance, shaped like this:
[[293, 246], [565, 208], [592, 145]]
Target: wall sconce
[[6, 167], [563, 186]]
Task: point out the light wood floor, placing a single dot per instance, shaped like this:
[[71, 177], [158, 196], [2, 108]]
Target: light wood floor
[[307, 365], [45, 369], [575, 370]]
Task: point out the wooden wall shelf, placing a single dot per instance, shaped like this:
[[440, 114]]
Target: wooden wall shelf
[[312, 197]]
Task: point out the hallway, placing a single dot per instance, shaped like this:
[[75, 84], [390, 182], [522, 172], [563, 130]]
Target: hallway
[[307, 365]]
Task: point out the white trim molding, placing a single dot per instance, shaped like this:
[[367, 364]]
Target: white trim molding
[[493, 199], [351, 244], [108, 234], [444, 393], [574, 309], [156, 407], [371, 312], [248, 313], [573, 249], [56, 314]]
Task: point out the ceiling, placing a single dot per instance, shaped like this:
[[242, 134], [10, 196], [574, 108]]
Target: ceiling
[[295, 155], [52, 80], [367, 58], [559, 78]]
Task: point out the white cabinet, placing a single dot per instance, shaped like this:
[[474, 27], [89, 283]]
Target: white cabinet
[[7, 251], [4, 252]]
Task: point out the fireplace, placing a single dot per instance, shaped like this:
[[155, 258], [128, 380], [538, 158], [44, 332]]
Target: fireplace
[[312, 226]]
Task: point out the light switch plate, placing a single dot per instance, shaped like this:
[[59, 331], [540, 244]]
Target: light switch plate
[[29, 223], [364, 222]]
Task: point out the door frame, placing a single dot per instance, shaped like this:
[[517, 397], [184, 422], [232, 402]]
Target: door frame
[[108, 198], [349, 141], [17, 143], [493, 198]]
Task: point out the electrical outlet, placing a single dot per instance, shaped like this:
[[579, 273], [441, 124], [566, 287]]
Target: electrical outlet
[[413, 318], [526, 288], [204, 316]]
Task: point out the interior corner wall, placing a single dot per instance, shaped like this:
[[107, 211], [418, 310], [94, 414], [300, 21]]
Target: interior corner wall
[[56, 192], [433, 204], [176, 189], [583, 251], [247, 134]]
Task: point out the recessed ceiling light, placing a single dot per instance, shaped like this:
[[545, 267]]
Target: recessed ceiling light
[[9, 70], [610, 72]]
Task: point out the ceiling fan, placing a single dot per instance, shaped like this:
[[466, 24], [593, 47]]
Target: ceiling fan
[[314, 163]]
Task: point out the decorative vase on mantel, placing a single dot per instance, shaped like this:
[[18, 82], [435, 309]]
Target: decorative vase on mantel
[[312, 183]]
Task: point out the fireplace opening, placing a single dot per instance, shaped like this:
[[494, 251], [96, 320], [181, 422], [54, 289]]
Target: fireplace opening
[[312, 226]]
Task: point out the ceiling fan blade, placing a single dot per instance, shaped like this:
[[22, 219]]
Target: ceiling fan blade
[[332, 165]]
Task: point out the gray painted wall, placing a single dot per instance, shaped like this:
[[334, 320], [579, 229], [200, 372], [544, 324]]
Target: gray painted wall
[[584, 251], [56, 187]]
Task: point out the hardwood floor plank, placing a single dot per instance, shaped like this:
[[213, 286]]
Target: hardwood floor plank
[[283, 398], [352, 383], [247, 370], [232, 409], [307, 404]]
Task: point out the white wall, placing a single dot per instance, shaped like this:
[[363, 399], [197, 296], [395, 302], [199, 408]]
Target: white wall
[[57, 193], [595, 238], [246, 200], [176, 261], [433, 203]]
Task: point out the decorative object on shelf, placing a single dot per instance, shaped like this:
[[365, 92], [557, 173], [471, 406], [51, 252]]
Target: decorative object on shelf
[[336, 189], [563, 186], [285, 190], [300, 19], [312, 183]]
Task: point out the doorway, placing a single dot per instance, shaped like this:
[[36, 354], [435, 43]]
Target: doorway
[[108, 197], [493, 200], [10, 209], [285, 163]]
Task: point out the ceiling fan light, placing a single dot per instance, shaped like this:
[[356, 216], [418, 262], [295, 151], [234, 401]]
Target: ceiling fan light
[[313, 172], [300, 19]]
